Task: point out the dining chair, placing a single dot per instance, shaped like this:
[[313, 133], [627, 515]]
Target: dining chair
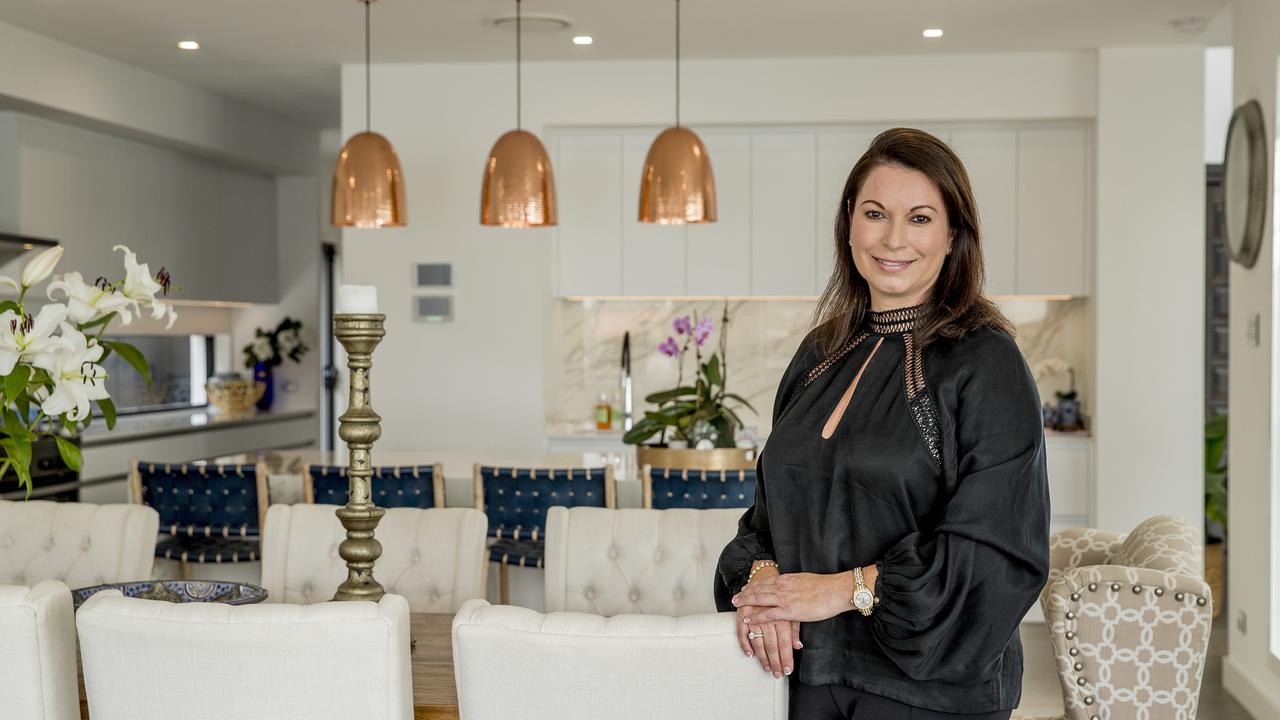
[[660, 562], [667, 487], [209, 512], [80, 544], [38, 653], [154, 660], [516, 500], [579, 665], [418, 486], [434, 558]]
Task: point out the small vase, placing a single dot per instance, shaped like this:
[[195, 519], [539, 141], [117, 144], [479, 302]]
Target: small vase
[[262, 373]]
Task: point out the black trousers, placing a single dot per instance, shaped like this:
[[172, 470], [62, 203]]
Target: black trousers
[[840, 702]]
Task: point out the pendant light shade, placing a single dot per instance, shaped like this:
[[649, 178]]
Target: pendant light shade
[[519, 190], [677, 186], [368, 191], [368, 186]]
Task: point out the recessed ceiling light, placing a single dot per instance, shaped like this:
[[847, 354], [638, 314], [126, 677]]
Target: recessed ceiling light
[[582, 40], [189, 45], [933, 32]]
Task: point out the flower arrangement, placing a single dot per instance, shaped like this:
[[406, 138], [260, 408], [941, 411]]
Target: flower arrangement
[[271, 347], [51, 364], [700, 413], [1054, 366]]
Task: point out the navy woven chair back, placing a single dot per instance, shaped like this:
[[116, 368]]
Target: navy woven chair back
[[414, 486], [666, 488], [516, 499], [208, 512]]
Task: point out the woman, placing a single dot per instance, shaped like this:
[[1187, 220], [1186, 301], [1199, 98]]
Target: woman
[[901, 524]]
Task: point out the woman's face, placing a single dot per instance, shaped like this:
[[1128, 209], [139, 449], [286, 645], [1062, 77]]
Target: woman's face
[[899, 235]]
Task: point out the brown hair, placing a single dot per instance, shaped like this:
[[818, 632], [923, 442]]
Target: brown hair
[[955, 305]]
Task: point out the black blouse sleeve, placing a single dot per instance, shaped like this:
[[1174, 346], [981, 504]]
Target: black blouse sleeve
[[952, 596], [753, 541]]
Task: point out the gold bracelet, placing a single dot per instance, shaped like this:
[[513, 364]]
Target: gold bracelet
[[767, 563]]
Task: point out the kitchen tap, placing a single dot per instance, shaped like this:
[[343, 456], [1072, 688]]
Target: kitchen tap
[[626, 381]]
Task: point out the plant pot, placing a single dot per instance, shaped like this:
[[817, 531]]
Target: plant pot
[[262, 374], [714, 459], [1213, 567]]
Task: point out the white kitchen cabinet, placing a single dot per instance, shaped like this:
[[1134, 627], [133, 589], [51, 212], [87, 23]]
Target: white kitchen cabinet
[[782, 222], [837, 151], [718, 254], [588, 169], [1053, 211], [991, 159], [653, 261]]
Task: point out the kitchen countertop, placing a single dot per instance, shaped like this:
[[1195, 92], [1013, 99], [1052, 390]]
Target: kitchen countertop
[[130, 428]]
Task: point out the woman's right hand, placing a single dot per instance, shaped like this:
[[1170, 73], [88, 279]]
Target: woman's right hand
[[774, 641]]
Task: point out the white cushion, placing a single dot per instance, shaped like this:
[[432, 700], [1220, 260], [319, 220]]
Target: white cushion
[[661, 562], [435, 558], [78, 543], [38, 653], [515, 662], [151, 660]]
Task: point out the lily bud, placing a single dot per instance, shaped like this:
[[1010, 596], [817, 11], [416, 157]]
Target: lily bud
[[41, 266]]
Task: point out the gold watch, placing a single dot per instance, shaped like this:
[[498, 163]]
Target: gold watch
[[863, 598]]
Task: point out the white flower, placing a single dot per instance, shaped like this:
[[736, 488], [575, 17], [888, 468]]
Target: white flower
[[21, 337], [288, 341], [1052, 366], [77, 377], [141, 288], [87, 302], [262, 348], [41, 266]]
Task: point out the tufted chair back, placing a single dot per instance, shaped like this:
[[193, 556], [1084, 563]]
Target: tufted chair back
[[666, 488], [575, 665], [418, 486], [435, 558], [1129, 616], [203, 499], [77, 543], [516, 500], [657, 562], [38, 653]]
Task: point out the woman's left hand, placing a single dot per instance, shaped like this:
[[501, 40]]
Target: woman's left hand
[[799, 597]]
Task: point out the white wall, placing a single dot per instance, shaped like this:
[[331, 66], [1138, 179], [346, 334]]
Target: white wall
[[1218, 83], [1149, 285], [1251, 671]]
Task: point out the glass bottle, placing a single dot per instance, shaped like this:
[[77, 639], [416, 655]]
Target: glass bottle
[[604, 413]]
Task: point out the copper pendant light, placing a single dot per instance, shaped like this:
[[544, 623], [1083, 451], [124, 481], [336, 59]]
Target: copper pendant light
[[677, 185], [519, 189], [368, 187]]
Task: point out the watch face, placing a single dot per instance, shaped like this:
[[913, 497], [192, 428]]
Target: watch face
[[862, 599]]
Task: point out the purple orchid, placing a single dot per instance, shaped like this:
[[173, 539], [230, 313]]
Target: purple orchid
[[669, 348], [682, 325], [703, 330]]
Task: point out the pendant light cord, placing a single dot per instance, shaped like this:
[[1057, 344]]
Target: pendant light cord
[[519, 34], [677, 63], [368, 82]]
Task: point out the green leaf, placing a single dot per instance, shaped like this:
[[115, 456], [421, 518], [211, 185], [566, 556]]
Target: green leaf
[[16, 429], [641, 431], [133, 356], [69, 452], [99, 322], [10, 305], [20, 454], [740, 399], [660, 397], [108, 412], [711, 369], [15, 382]]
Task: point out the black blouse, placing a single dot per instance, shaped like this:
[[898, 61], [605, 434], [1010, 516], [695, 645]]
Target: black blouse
[[935, 473]]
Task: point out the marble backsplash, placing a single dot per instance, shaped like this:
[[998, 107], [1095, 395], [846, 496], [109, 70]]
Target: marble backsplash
[[584, 348]]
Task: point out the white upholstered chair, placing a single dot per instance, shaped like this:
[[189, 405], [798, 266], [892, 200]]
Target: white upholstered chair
[[515, 662], [435, 558], [661, 562], [152, 660], [78, 543], [38, 653]]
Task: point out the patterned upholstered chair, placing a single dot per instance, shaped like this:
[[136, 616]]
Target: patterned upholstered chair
[[1130, 616], [516, 502], [209, 513], [666, 488], [416, 486], [80, 544]]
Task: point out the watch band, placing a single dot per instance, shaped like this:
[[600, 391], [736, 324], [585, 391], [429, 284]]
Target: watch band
[[860, 589]]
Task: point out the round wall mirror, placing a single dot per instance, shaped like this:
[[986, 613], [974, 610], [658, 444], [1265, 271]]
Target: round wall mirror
[[1244, 183]]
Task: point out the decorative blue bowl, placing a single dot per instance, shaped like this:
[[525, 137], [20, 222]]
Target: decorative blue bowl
[[180, 591]]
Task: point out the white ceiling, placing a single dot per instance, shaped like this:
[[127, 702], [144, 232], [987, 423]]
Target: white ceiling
[[283, 55]]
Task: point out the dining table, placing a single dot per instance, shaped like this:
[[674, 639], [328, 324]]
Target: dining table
[[435, 695]]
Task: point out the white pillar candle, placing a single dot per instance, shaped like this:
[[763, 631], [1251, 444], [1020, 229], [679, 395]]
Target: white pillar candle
[[357, 300]]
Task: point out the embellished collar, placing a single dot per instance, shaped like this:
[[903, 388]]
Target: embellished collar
[[897, 320]]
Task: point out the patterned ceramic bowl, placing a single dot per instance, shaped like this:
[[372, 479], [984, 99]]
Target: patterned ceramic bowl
[[180, 591], [234, 397]]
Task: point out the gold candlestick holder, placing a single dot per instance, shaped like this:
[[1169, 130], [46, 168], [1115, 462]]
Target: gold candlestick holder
[[359, 427]]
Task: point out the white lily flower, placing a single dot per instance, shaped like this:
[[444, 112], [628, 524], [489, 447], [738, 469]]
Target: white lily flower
[[288, 341], [139, 286], [78, 379], [41, 266], [262, 348], [21, 337], [87, 302]]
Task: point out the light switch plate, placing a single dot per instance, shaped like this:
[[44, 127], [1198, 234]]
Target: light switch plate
[[433, 308]]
